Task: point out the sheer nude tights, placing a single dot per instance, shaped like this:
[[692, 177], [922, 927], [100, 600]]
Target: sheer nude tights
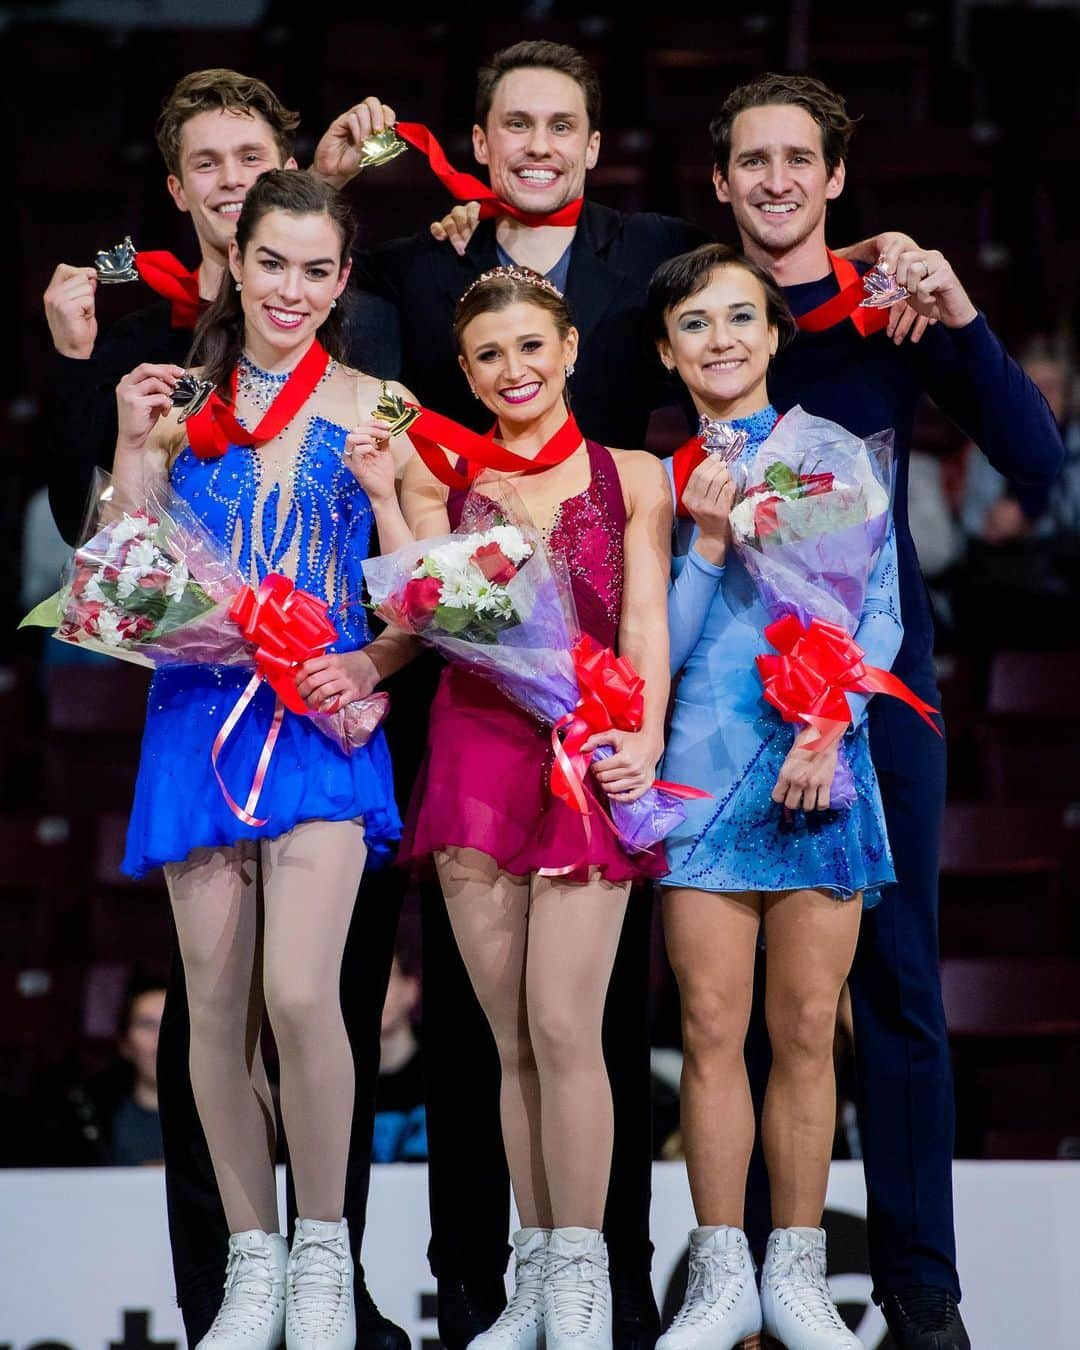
[[274, 947], [539, 952]]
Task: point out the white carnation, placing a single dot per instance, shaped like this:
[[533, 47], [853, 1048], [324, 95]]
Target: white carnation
[[512, 542], [108, 627], [178, 580], [126, 582], [142, 557], [93, 591]]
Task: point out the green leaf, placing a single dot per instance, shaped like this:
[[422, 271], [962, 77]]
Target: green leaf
[[451, 619], [782, 479], [49, 614]]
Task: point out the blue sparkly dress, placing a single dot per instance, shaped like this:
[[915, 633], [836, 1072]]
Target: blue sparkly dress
[[725, 738], [288, 506]]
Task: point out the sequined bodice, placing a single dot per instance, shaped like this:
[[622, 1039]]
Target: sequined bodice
[[587, 534], [288, 506]]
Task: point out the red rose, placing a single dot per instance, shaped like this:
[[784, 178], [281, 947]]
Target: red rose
[[412, 607], [494, 564], [154, 581], [110, 572], [765, 522], [88, 616]]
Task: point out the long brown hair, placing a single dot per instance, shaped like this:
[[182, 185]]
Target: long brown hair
[[219, 335]]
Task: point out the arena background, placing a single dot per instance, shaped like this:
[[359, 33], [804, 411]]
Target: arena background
[[969, 142]]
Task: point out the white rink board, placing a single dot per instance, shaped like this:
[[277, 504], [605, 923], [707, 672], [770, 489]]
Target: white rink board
[[84, 1258]]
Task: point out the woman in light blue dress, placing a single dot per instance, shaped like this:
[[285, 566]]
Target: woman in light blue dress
[[765, 855], [263, 897]]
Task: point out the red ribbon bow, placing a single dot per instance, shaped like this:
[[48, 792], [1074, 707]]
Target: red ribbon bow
[[286, 626], [466, 187], [611, 697], [164, 273], [816, 667]]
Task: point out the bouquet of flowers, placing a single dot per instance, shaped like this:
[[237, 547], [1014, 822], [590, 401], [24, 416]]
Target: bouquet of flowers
[[491, 598], [812, 516], [151, 585]]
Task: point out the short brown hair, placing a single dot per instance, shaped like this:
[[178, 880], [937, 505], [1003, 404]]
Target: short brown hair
[[825, 106], [685, 275], [207, 90], [545, 56]]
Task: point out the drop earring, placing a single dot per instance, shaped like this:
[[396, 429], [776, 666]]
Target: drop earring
[[333, 304], [569, 370], [238, 287]]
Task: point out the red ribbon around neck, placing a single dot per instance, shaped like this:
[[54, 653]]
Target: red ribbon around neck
[[845, 304], [816, 667], [286, 627], [214, 427], [611, 697], [466, 187], [432, 432], [164, 273]]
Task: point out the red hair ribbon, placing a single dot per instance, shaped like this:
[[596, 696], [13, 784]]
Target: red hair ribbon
[[845, 304], [431, 432], [214, 427], [286, 626], [611, 697], [816, 667], [164, 273], [466, 187]]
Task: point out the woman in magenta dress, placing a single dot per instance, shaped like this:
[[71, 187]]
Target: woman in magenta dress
[[539, 948]]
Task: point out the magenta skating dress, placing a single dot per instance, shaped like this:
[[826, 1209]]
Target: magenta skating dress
[[484, 782]]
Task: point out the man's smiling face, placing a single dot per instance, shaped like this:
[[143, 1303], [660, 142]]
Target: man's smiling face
[[222, 152], [776, 179], [537, 143]]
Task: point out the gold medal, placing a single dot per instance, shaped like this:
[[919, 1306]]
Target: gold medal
[[381, 148], [394, 411]]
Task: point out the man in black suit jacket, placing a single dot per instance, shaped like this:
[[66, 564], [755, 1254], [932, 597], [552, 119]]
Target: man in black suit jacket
[[536, 131]]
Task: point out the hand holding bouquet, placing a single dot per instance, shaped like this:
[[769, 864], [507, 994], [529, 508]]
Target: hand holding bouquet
[[151, 585], [492, 599], [810, 524]]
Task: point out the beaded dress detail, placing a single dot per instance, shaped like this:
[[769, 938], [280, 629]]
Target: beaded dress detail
[[725, 738], [484, 782], [287, 506]]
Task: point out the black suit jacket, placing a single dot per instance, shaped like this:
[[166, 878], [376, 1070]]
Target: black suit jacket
[[410, 287]]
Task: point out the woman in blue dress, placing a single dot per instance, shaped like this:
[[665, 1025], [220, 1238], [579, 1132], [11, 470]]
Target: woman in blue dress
[[766, 855], [262, 909]]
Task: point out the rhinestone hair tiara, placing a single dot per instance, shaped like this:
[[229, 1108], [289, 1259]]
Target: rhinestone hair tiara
[[513, 274]]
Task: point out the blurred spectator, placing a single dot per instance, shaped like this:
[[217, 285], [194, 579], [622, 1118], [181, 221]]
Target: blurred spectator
[[400, 1119], [1023, 553], [116, 1112]]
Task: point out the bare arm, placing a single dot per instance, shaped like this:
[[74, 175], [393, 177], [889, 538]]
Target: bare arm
[[643, 633]]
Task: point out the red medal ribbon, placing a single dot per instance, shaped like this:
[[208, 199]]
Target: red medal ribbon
[[214, 427], [611, 697], [816, 667], [431, 431], [286, 626], [466, 187], [845, 304], [683, 463], [164, 273]]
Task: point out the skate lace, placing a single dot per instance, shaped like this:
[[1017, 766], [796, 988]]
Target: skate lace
[[318, 1282], [803, 1290], [713, 1278], [249, 1288], [574, 1281], [525, 1300]]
